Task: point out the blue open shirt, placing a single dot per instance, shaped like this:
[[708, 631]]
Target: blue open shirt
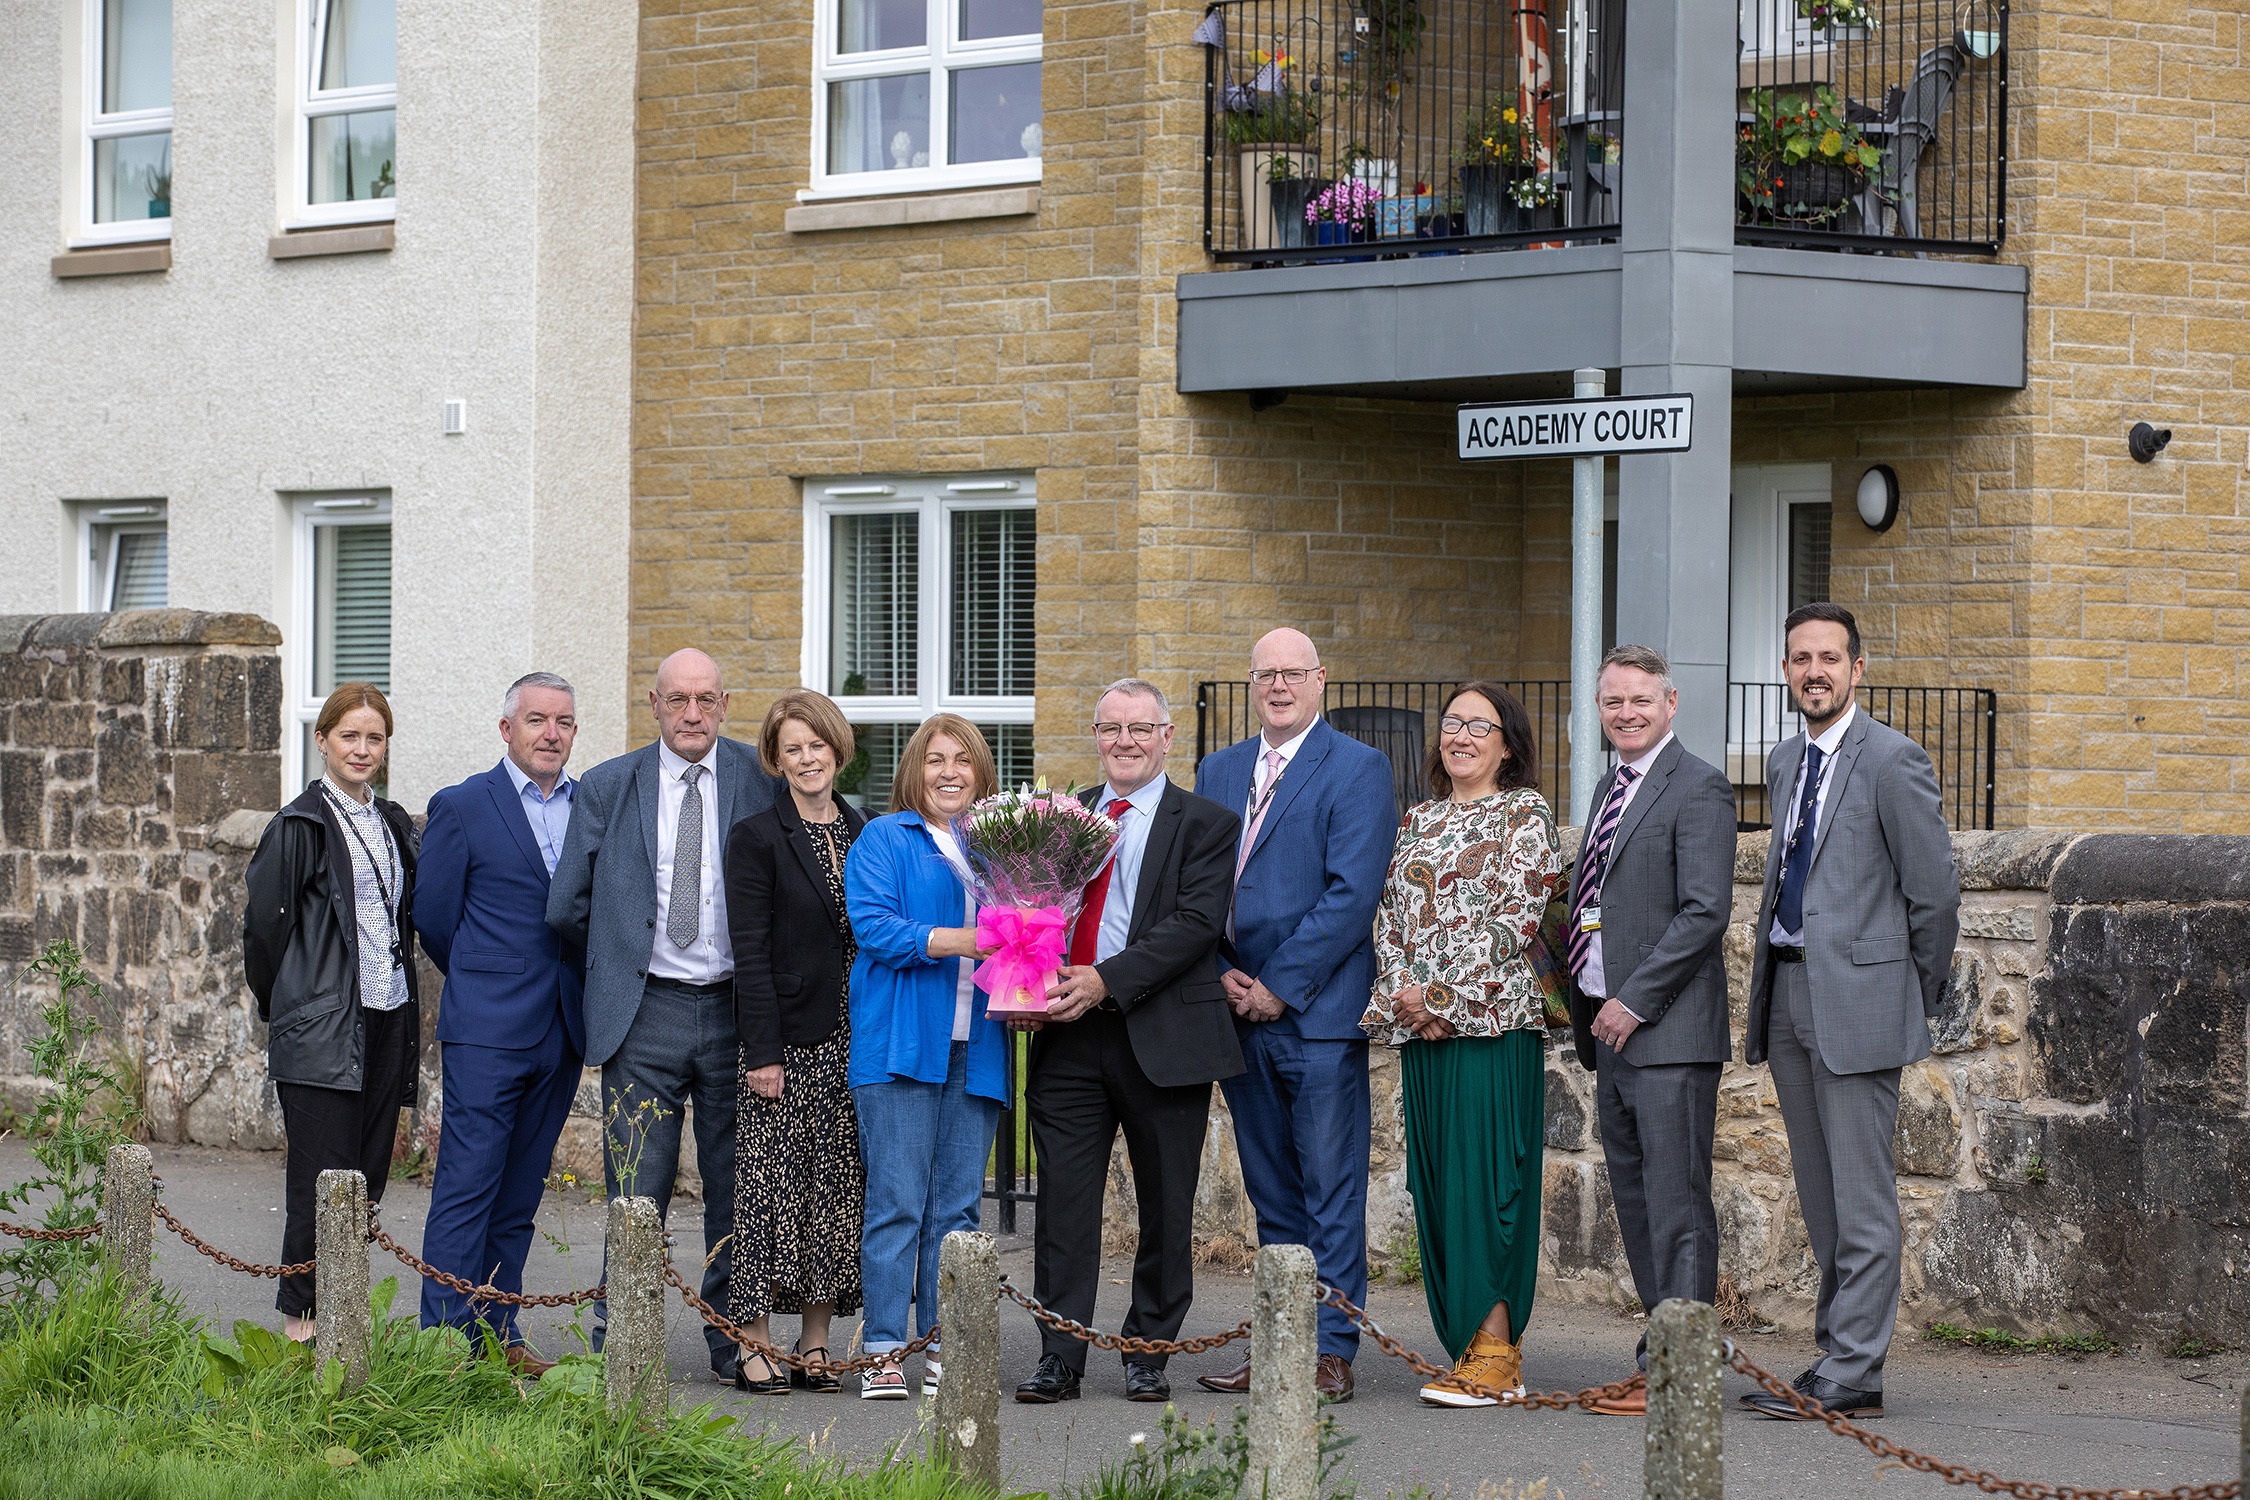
[[897, 888]]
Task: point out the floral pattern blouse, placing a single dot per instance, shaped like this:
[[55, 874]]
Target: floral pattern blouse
[[1468, 883]]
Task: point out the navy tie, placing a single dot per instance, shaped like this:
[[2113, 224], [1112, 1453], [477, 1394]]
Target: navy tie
[[1789, 911]]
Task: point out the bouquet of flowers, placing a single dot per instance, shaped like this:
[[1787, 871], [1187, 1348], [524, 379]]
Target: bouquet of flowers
[[1030, 853]]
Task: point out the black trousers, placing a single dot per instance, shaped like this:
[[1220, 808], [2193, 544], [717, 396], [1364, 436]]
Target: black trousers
[[342, 1129], [1084, 1085], [1657, 1126]]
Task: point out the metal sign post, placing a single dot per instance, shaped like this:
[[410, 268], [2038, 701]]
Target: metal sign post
[[1585, 611]]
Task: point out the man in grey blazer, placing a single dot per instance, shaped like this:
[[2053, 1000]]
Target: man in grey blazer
[[1648, 1002], [1855, 935], [640, 890]]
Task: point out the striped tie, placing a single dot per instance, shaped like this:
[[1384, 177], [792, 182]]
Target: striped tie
[[1594, 865]]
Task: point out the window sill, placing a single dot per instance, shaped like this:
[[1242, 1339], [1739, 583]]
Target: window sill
[[1770, 69], [356, 240], [120, 260], [917, 208]]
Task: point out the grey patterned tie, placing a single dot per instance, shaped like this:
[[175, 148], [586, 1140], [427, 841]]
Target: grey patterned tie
[[680, 918]]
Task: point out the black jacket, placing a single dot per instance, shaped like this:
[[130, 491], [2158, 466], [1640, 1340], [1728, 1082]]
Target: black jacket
[[300, 944], [788, 945], [1166, 978]]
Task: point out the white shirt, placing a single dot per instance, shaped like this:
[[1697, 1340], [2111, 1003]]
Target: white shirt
[[1829, 742], [382, 984], [1288, 749], [964, 988], [548, 813], [1125, 865], [710, 958], [1592, 979]]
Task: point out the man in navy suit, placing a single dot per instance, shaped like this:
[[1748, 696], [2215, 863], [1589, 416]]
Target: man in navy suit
[[1319, 818], [512, 1022], [641, 890]]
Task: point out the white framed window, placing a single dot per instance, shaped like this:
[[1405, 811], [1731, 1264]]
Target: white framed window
[[124, 179], [340, 611], [123, 555], [345, 166], [919, 599], [1782, 517], [924, 94]]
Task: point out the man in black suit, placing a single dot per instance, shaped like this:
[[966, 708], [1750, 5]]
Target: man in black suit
[[1648, 990], [1135, 1034]]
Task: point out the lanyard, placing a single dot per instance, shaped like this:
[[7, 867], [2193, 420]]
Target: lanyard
[[1798, 824], [390, 912], [1259, 804]]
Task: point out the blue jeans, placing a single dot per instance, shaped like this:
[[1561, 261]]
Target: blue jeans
[[927, 1146]]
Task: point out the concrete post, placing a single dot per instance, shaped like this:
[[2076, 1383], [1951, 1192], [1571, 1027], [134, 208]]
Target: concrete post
[[1284, 1355], [968, 1395], [1585, 607], [2246, 1441], [128, 1221], [1682, 1459], [636, 1374], [345, 1324]]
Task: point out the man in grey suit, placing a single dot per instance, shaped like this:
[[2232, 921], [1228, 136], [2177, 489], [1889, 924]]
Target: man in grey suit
[[1648, 1000], [1855, 935], [640, 891]]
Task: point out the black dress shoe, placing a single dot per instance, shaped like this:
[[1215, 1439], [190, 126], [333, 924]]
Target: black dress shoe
[[1803, 1381], [1824, 1394], [1146, 1383], [1050, 1383]]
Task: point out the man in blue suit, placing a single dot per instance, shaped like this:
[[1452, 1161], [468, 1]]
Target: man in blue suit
[[512, 1022], [1319, 818], [641, 890]]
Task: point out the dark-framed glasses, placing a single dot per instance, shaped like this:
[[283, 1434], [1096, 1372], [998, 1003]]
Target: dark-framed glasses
[[1287, 676], [1477, 728], [677, 703], [1139, 734]]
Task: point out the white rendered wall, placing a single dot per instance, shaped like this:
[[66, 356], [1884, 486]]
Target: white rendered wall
[[233, 380]]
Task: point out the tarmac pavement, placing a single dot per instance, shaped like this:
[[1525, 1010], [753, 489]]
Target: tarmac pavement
[[2131, 1419]]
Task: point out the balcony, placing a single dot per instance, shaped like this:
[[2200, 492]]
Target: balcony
[[1429, 199]]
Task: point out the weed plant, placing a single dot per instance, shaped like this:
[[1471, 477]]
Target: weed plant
[[2003, 1342]]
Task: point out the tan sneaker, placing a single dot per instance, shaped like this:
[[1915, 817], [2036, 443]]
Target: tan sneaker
[[1494, 1364]]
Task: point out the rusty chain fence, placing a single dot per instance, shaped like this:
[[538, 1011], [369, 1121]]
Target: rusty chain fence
[[1687, 1351]]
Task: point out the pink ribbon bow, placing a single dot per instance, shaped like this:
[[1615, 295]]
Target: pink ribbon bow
[[1028, 944]]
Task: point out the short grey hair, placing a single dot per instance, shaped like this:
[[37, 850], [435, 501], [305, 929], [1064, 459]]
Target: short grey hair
[[514, 698], [1642, 659], [1139, 687]]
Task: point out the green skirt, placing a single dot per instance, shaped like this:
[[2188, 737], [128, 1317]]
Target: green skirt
[[1475, 1132]]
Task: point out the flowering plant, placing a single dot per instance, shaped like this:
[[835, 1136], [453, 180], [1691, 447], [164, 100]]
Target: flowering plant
[[1826, 13], [1534, 192], [1495, 137], [1351, 201], [1792, 131], [1030, 853], [1272, 109]]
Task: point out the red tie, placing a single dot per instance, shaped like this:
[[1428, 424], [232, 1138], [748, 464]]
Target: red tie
[[1097, 891]]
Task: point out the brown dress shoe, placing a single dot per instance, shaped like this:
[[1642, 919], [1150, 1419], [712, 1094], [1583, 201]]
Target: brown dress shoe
[[1634, 1403], [1332, 1377], [525, 1364], [1233, 1383]]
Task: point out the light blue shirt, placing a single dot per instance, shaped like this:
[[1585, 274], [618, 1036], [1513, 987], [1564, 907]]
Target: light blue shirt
[[1125, 865], [548, 813]]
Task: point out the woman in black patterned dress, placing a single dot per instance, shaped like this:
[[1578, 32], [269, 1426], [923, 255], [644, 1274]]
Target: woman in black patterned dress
[[799, 1181]]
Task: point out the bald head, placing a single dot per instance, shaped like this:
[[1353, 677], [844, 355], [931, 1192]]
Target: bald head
[[689, 703], [1285, 707]]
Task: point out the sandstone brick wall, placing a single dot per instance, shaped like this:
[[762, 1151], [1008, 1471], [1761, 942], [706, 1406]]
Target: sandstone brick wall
[[130, 747]]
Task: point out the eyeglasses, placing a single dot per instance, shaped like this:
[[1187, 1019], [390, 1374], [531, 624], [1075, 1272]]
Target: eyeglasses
[[1140, 734], [1478, 728], [1288, 676], [677, 703]]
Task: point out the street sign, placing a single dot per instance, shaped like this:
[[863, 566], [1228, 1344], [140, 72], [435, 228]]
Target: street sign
[[1558, 429]]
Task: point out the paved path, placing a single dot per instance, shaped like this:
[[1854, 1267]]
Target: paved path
[[2132, 1419]]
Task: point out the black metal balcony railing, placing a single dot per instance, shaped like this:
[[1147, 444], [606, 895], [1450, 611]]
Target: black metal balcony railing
[[1340, 130], [1957, 726], [1868, 123], [1347, 129]]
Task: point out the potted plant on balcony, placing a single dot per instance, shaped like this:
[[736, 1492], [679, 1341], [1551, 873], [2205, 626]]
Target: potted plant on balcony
[[1801, 161], [1533, 203], [1279, 121], [1828, 16], [1290, 189], [1496, 151], [1340, 215]]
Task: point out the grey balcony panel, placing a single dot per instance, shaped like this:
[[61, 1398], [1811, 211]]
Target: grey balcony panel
[[1806, 321], [1438, 327]]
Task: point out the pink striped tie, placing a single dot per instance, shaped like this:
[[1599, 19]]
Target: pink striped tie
[[1596, 860], [1250, 834]]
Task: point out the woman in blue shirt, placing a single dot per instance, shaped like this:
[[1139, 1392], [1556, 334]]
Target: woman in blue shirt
[[927, 1067]]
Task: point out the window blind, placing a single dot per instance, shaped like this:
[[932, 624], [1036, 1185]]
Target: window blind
[[1809, 527], [874, 590], [994, 574], [137, 573], [352, 607], [1011, 752]]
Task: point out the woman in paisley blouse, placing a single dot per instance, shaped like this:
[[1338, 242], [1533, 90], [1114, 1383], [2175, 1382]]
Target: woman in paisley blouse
[[1455, 992]]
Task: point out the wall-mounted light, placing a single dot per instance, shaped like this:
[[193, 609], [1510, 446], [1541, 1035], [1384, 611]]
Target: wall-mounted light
[[1878, 497], [2145, 442]]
